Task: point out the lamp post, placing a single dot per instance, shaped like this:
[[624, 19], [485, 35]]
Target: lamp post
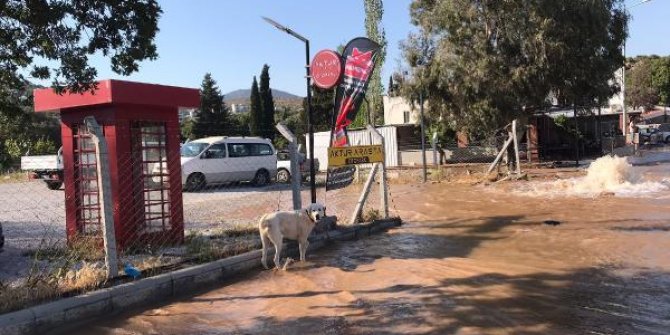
[[623, 76], [310, 127]]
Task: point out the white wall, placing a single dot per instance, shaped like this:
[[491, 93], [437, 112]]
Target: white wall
[[394, 108]]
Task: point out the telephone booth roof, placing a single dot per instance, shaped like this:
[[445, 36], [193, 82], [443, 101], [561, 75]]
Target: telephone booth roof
[[118, 92]]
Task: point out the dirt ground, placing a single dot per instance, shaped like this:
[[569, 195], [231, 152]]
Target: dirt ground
[[470, 260]]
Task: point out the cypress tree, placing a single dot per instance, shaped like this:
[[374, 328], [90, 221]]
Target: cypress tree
[[267, 105], [322, 109], [374, 11], [391, 88], [256, 112], [213, 116]]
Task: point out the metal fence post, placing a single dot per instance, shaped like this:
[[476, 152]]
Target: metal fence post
[[383, 190], [296, 178], [105, 194], [516, 147]]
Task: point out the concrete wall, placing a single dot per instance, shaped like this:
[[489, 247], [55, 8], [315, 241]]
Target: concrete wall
[[471, 154]]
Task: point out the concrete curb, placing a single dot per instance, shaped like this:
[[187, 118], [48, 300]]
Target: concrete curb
[[105, 302]]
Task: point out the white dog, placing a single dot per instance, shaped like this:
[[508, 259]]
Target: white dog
[[293, 225]]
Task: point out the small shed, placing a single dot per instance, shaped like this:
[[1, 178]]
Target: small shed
[[141, 125]]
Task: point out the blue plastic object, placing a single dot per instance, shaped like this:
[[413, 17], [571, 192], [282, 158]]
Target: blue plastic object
[[132, 271]]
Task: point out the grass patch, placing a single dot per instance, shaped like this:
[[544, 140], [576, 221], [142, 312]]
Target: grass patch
[[44, 284], [59, 271], [80, 248], [371, 215], [206, 249], [222, 243], [13, 177]]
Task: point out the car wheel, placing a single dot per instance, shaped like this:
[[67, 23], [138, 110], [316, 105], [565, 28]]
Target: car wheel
[[195, 182], [262, 178], [283, 176], [54, 185], [667, 140]]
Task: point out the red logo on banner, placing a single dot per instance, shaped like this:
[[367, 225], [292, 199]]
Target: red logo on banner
[[326, 69]]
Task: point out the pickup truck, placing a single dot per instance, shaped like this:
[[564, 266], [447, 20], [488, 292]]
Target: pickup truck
[[284, 166], [48, 168]]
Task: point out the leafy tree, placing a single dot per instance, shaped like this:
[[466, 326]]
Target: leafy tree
[[661, 79], [267, 119], [36, 34], [322, 109], [186, 129], [213, 115], [52, 40], [256, 111], [240, 124], [374, 11], [23, 131], [641, 91], [482, 63], [392, 87]]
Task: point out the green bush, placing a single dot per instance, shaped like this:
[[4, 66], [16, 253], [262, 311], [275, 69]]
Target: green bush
[[12, 149], [43, 146]]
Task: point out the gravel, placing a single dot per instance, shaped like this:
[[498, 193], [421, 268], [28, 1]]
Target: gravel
[[33, 216]]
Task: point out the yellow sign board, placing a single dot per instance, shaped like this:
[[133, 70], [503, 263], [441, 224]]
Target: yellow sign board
[[355, 155]]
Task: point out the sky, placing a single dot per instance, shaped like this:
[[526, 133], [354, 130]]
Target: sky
[[229, 39]]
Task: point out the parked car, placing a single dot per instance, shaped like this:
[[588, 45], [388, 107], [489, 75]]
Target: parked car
[[664, 130], [48, 168], [217, 160], [649, 134], [284, 166]]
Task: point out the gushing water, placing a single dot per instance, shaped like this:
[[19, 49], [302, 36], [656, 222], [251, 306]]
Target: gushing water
[[608, 175]]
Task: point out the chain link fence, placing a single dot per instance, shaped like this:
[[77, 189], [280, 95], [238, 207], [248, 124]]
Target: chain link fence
[[172, 205]]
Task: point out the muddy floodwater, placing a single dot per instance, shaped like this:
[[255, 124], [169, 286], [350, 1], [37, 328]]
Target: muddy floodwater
[[470, 260]]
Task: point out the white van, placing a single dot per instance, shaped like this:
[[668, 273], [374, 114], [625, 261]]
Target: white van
[[216, 160]]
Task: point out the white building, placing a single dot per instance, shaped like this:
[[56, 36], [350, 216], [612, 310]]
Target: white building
[[398, 111], [187, 114], [239, 108]]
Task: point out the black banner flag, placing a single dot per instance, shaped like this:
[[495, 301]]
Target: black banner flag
[[359, 61]]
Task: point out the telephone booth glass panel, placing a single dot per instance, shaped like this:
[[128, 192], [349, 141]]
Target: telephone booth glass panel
[[150, 147], [86, 173]]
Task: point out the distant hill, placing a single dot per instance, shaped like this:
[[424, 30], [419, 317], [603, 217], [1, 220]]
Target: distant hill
[[241, 96]]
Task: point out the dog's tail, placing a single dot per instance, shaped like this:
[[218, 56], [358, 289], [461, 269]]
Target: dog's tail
[[262, 221]]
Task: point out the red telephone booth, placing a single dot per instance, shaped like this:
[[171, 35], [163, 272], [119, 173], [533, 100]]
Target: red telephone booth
[[141, 125]]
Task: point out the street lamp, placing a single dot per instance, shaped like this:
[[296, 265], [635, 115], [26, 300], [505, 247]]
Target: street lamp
[[310, 127], [623, 74]]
